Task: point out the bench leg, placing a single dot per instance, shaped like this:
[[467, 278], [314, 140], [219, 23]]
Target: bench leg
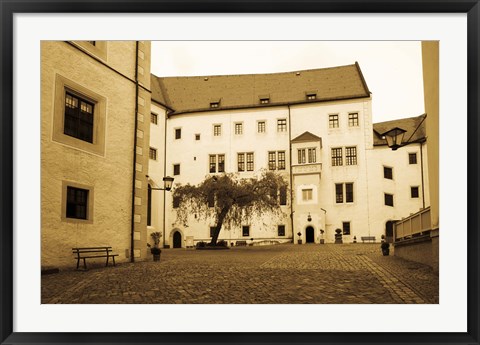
[[78, 262], [84, 264], [106, 264], [113, 260]]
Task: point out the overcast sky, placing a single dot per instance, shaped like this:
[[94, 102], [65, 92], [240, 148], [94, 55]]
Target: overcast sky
[[392, 69]]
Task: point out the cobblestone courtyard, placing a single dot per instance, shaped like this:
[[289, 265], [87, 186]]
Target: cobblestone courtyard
[[330, 273]]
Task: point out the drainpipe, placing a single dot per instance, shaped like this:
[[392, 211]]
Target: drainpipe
[[132, 221], [164, 174], [421, 167], [291, 175]]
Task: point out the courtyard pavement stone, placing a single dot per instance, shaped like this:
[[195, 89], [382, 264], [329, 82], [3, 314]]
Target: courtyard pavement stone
[[287, 273]]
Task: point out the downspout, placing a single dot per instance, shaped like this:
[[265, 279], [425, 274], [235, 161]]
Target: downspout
[[421, 167], [132, 221], [164, 174], [291, 173]]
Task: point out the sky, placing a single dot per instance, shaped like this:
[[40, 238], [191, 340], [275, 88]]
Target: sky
[[392, 69]]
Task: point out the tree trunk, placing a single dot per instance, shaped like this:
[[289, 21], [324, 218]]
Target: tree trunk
[[221, 218]]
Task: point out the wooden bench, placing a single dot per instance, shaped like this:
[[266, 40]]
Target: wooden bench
[[93, 252], [241, 243], [368, 238]]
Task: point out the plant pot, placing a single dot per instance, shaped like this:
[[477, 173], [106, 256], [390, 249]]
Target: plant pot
[[156, 257], [322, 241], [299, 241], [385, 252]]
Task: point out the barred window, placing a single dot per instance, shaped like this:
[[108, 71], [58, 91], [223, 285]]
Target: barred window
[[282, 125], [312, 155], [77, 203], [239, 128], [351, 155], [333, 121], [353, 119], [272, 160], [261, 126], [281, 160], [241, 162], [217, 130], [178, 133], [250, 161], [412, 158], [339, 193], [301, 156], [337, 158], [153, 154], [78, 118], [154, 118]]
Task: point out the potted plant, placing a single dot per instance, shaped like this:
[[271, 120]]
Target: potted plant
[[299, 240], [322, 240], [155, 250], [385, 248]]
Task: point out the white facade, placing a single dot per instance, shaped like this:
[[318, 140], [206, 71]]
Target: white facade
[[192, 138]]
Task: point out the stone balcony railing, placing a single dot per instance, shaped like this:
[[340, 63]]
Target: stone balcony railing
[[304, 169]]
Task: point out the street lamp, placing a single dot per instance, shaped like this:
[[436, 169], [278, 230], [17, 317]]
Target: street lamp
[[309, 218], [394, 138], [167, 183]]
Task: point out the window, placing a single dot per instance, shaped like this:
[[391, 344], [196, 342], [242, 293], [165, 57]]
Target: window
[[281, 230], [389, 199], [311, 96], [216, 163], [264, 100], [261, 127], [78, 117], [388, 173], [353, 119], [333, 121], [339, 196], [239, 128], [77, 203], [307, 194], [337, 158], [250, 161], [197, 136], [346, 228], [349, 192], [176, 202], [339, 193], [283, 195], [154, 118], [412, 158], [212, 230], [414, 192], [176, 169], [149, 205], [217, 130], [152, 154], [351, 155], [214, 104], [312, 155], [178, 133], [301, 156], [246, 230], [272, 160], [281, 160], [281, 125]]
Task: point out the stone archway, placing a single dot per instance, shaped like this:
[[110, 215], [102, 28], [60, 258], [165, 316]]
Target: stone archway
[[177, 239], [309, 235]]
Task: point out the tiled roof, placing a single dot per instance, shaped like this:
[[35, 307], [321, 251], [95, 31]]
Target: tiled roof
[[415, 127], [307, 136], [191, 94]]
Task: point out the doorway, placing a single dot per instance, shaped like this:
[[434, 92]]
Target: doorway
[[389, 231], [177, 240], [309, 235]]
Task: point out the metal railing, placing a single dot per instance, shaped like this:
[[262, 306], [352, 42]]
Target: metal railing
[[414, 225]]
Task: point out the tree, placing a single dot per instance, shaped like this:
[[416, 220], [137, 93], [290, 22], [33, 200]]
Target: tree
[[232, 201]]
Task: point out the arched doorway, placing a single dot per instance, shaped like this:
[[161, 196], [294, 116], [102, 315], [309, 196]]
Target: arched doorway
[[309, 235], [389, 231], [177, 239]]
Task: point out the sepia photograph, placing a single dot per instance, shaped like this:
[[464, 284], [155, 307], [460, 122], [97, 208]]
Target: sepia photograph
[[239, 172]]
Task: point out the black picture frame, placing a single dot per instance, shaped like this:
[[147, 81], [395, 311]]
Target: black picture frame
[[10, 7]]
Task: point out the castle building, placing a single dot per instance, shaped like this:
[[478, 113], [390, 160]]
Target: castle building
[[314, 127]]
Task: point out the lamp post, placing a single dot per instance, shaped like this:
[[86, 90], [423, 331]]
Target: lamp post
[[394, 138], [167, 183]]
